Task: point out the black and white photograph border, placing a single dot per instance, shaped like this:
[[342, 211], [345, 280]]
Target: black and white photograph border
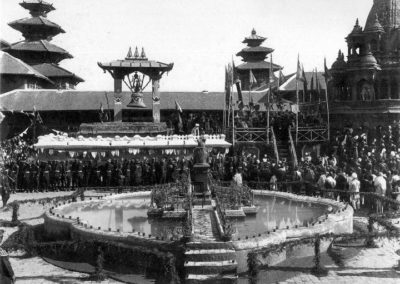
[[199, 141]]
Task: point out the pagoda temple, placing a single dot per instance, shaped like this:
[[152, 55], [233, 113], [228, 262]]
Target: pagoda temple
[[254, 57], [366, 86], [37, 51]]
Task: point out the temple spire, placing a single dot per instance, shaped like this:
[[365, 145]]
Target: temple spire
[[143, 54], [136, 55], [129, 55]]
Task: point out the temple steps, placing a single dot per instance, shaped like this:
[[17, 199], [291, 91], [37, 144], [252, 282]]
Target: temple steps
[[211, 267], [211, 279], [212, 262]]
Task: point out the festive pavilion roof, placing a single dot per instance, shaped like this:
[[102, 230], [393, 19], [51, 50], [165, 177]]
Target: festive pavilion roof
[[13, 66], [36, 27], [37, 7], [136, 62], [52, 70], [64, 142]]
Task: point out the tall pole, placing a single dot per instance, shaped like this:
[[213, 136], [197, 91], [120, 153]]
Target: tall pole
[[327, 110], [269, 97], [233, 125], [297, 110]]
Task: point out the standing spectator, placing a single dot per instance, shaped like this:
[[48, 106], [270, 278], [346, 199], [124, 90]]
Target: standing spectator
[[354, 188]]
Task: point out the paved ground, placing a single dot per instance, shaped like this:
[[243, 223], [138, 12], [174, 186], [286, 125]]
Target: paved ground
[[35, 270], [361, 265]]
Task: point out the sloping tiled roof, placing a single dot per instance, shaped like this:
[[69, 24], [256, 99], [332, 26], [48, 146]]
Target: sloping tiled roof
[[41, 21], [290, 84], [4, 44], [13, 66], [258, 65], [52, 70], [33, 4], [257, 49], [58, 100], [39, 46], [139, 65]]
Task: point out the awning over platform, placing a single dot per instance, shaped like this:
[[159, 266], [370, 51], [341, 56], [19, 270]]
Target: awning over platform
[[63, 142]]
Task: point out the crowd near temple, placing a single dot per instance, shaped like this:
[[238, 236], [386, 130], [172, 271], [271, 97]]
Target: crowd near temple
[[333, 133]]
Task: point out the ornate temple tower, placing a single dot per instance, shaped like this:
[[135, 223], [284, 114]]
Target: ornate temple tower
[[367, 84], [254, 56], [36, 50]]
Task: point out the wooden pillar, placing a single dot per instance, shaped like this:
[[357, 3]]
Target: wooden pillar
[[117, 100], [156, 98]]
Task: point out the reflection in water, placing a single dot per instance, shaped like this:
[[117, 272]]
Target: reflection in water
[[276, 211], [130, 214], [127, 215]]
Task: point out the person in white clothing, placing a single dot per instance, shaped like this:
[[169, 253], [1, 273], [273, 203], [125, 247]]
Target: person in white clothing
[[237, 178], [354, 188], [380, 188]]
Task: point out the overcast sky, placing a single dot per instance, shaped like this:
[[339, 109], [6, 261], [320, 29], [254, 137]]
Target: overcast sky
[[199, 36]]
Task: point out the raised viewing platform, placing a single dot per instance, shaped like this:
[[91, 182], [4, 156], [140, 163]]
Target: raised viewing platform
[[123, 128]]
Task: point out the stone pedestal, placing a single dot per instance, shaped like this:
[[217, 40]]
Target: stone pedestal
[[200, 179]]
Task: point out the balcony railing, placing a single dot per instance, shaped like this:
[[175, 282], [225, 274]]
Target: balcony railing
[[252, 135], [311, 134]]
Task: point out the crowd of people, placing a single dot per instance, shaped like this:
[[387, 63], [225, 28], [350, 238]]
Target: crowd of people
[[362, 159]]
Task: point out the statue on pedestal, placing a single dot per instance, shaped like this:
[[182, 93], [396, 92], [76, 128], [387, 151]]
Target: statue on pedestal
[[200, 152]]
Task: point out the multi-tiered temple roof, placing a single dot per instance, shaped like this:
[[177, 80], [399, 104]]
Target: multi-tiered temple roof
[[36, 49], [254, 57]]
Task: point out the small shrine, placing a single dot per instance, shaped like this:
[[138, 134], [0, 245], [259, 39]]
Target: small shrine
[[128, 71]]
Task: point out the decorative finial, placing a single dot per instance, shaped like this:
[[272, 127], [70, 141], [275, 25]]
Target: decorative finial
[[253, 32], [143, 54], [136, 55], [129, 55], [357, 23], [339, 54]]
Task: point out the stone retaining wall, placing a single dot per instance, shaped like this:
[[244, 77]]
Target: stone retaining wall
[[339, 221], [60, 227]]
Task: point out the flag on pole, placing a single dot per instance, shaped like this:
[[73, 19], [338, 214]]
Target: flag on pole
[[239, 91], [312, 82], [234, 72], [178, 107], [39, 118], [327, 73], [253, 79], [227, 88], [300, 71], [305, 83]]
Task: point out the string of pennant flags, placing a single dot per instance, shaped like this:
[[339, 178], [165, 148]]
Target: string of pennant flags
[[113, 153]]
